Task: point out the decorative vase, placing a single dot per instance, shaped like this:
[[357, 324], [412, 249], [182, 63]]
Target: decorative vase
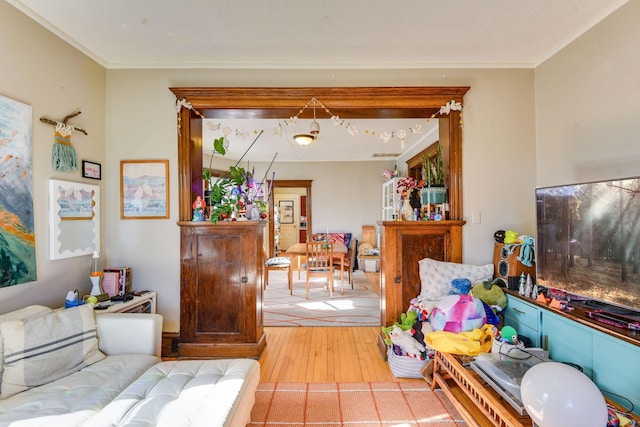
[[253, 212], [407, 210]]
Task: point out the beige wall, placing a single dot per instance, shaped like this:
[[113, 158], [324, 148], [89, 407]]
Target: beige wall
[[140, 117], [55, 79], [587, 106], [572, 119], [498, 160]]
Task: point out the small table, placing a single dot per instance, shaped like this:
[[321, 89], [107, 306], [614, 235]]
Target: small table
[[478, 404], [339, 251]]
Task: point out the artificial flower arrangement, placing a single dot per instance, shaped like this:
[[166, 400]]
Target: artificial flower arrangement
[[388, 174], [235, 193], [407, 184]]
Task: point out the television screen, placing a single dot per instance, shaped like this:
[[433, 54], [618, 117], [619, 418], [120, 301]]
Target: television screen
[[588, 240]]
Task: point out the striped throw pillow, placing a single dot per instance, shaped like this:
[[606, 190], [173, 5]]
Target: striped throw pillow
[[46, 348]]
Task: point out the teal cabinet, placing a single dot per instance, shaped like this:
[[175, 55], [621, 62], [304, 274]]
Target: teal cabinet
[[615, 369], [524, 317], [609, 361], [568, 341]]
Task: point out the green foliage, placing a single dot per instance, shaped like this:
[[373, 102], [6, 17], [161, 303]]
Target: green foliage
[[433, 170], [232, 192]]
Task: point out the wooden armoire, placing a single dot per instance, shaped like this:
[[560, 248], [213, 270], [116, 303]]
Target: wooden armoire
[[221, 269]]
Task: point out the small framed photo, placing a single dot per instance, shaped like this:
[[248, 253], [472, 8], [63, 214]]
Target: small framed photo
[[91, 170]]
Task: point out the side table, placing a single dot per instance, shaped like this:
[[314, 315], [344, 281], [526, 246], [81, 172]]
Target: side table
[[145, 303], [478, 404]]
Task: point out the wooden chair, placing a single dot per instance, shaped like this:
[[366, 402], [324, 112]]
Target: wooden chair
[[319, 263], [281, 264], [349, 261]]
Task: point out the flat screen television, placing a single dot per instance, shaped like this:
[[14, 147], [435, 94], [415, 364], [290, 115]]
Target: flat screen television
[[588, 242]]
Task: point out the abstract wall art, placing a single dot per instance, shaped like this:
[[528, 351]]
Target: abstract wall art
[[17, 238]]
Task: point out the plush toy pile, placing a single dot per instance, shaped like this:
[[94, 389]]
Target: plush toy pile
[[458, 314]]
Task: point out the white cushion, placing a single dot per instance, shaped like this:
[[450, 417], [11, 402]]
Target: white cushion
[[73, 400], [436, 276], [281, 260], [187, 393], [42, 349]]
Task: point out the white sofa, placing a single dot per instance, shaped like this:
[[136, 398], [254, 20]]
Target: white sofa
[[107, 372]]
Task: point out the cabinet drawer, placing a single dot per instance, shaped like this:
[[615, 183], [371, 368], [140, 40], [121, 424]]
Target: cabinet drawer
[[523, 313]]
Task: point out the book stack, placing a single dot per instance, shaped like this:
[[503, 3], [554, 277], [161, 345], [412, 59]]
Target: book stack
[[117, 281]]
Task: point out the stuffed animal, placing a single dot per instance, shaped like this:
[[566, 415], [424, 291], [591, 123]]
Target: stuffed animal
[[423, 312], [406, 324], [405, 341], [510, 237], [509, 335], [458, 313], [407, 320], [526, 251], [460, 286]]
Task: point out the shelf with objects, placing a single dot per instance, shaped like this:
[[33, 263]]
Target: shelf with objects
[[142, 302]]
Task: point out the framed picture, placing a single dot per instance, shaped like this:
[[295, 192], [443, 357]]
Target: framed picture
[[144, 189], [74, 219], [91, 170], [286, 211]]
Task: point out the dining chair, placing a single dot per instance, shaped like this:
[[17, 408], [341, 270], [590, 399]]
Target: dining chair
[[319, 263], [281, 264], [348, 263]]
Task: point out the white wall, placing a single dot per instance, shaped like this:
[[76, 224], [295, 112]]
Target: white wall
[[587, 105], [55, 79]]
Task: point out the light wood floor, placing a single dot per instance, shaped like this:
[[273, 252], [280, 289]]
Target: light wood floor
[[325, 354]]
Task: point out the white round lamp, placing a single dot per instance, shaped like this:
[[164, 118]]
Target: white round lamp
[[558, 395]]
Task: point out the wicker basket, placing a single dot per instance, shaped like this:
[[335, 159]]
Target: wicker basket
[[405, 366]]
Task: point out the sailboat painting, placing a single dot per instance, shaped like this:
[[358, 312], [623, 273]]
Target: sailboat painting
[[17, 238]]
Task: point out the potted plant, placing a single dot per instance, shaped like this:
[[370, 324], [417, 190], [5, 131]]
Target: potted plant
[[435, 190], [234, 193]]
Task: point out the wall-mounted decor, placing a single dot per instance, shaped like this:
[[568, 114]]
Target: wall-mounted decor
[[74, 219], [286, 211], [91, 170], [144, 189], [17, 239], [64, 156]]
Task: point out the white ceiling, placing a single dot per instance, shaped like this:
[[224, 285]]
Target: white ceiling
[[319, 34]]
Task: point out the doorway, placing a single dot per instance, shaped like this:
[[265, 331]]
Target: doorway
[[299, 192]]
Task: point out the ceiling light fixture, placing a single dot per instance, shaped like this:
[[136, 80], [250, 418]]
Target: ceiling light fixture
[[308, 138], [304, 138]]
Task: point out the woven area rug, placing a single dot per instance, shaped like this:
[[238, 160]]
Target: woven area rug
[[350, 404], [359, 306]]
